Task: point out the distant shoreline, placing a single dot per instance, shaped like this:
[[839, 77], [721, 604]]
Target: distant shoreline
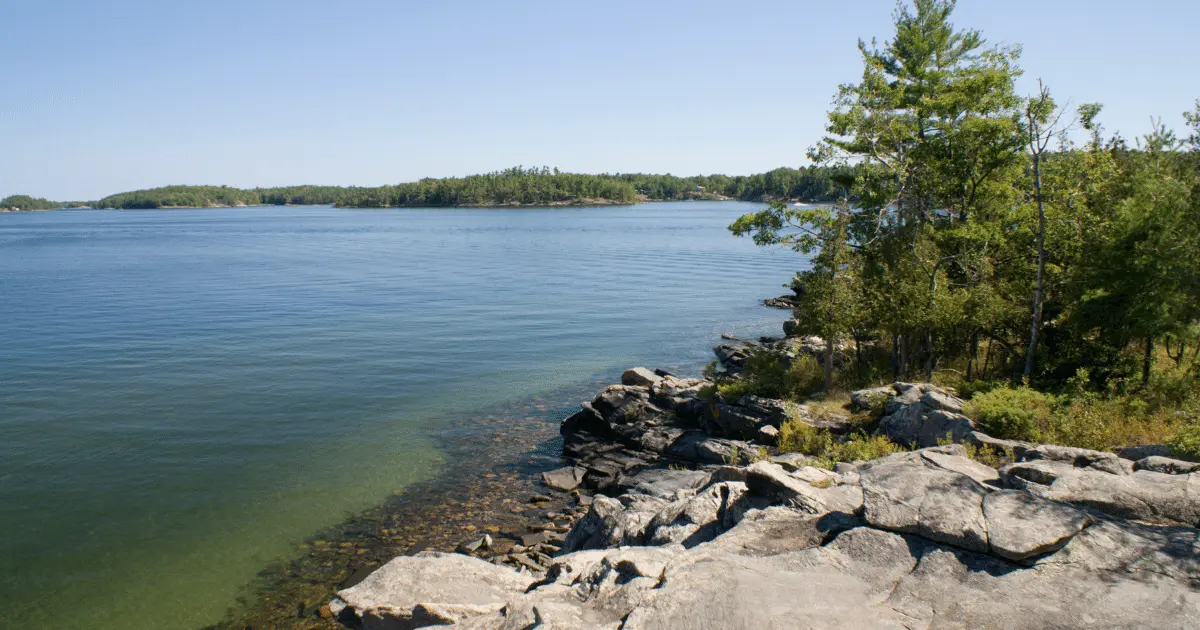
[[576, 203]]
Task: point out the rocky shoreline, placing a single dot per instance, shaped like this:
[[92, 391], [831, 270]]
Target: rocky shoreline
[[672, 512]]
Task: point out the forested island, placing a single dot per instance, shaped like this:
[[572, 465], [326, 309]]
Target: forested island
[[517, 186]]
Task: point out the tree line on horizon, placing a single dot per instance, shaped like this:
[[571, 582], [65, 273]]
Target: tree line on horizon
[[513, 186]]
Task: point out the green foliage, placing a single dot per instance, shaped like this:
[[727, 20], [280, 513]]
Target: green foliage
[[797, 436], [514, 186], [769, 375], [1103, 423], [1186, 440], [811, 183], [1083, 419], [181, 196], [25, 202], [983, 236], [1014, 414]]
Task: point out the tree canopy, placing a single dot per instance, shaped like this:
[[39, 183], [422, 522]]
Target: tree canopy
[[976, 218]]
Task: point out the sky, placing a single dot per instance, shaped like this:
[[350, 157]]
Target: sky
[[103, 97]]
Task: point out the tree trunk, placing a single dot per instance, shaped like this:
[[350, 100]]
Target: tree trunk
[[987, 358], [903, 357], [929, 357], [972, 353], [895, 357], [828, 363], [1147, 360], [1039, 286]]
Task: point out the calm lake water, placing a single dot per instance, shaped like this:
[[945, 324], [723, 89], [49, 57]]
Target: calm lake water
[[186, 394]]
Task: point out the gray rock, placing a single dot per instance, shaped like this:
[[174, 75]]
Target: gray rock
[[601, 527], [772, 481], [791, 461], [565, 479], [726, 473], [700, 518], [904, 494], [980, 439], [941, 401], [1077, 457], [917, 425], [958, 463], [1134, 453], [640, 377], [767, 434], [484, 542], [432, 588], [1166, 465], [735, 421], [865, 399], [697, 446], [774, 412], [663, 483], [1020, 525], [1143, 495]]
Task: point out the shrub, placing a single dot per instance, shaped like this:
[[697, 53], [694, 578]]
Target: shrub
[[1095, 422], [864, 447], [804, 377], [1186, 440], [797, 436], [1015, 414], [1083, 419], [766, 374]]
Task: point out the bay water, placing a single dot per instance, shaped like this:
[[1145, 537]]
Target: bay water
[[186, 394]]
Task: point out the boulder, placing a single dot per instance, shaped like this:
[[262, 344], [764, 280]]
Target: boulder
[[1142, 495], [701, 518], [640, 377], [1077, 457], [565, 479], [1166, 465], [865, 399], [1021, 526], [1134, 453], [697, 446], [664, 483], [907, 494], [791, 461], [611, 523], [924, 415], [431, 588], [770, 480]]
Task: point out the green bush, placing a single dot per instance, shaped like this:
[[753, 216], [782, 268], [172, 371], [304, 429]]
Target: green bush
[[864, 447], [796, 436], [804, 377], [766, 374], [1186, 440], [1015, 414]]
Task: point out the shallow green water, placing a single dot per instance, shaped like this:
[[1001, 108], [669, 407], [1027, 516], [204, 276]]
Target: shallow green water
[[186, 394]]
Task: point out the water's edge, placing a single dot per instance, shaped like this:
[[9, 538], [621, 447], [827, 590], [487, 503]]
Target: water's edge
[[485, 485]]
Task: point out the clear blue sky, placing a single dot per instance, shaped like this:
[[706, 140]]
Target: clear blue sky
[[101, 97]]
